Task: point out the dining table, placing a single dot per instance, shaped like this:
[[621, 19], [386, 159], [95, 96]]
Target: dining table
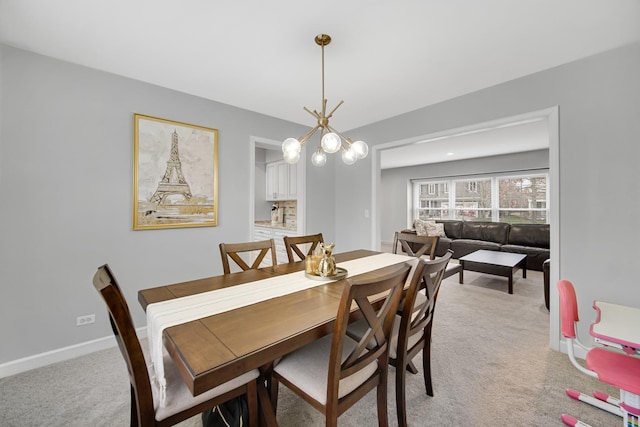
[[216, 348]]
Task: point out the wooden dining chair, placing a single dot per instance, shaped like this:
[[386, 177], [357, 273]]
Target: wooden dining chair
[[412, 328], [180, 404], [334, 372], [291, 245], [233, 251], [414, 245]]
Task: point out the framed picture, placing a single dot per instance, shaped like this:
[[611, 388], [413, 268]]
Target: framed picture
[[175, 174]]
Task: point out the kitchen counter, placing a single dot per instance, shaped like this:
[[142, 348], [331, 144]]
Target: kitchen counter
[[279, 226]]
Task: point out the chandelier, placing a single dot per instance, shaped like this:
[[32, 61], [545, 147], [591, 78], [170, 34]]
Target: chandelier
[[331, 140]]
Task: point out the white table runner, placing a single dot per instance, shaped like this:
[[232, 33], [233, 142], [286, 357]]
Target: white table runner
[[162, 315]]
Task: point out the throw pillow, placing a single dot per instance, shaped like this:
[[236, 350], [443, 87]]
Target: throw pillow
[[421, 227], [435, 229]]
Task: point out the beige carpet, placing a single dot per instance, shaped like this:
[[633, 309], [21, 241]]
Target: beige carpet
[[490, 361]]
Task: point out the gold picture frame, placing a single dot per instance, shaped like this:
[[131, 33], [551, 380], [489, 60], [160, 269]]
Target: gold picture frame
[[175, 174]]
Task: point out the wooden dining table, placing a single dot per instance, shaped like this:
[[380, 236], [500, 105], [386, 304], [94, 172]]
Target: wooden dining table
[[214, 349]]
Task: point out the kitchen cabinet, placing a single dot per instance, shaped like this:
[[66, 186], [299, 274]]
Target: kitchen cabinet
[[282, 181], [277, 234]]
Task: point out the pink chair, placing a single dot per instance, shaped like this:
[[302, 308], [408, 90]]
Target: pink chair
[[617, 369]]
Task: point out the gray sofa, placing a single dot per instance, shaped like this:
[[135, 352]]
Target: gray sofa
[[464, 237]]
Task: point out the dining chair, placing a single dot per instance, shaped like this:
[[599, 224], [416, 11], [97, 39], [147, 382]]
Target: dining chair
[[414, 245], [412, 328], [179, 403], [291, 245], [233, 251], [334, 372], [617, 369]]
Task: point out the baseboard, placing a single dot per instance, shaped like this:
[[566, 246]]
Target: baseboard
[[579, 352], [61, 354]]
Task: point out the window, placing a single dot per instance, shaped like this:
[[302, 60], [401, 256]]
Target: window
[[505, 198], [433, 200], [473, 200], [522, 199]]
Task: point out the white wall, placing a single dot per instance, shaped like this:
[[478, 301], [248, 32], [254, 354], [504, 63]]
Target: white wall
[[66, 185]]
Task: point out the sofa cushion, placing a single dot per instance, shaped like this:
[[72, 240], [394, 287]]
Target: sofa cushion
[[444, 243], [497, 232], [452, 228], [536, 235]]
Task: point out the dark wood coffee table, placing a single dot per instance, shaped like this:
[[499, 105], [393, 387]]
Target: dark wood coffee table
[[498, 263]]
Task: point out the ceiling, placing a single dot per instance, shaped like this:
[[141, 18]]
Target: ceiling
[[386, 58], [514, 137]]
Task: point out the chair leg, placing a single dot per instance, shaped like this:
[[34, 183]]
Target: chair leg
[[426, 362], [273, 392], [401, 408], [252, 404], [134, 408], [412, 368], [383, 420]]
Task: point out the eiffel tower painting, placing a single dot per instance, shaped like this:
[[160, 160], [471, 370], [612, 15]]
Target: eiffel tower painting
[[173, 181], [176, 184]]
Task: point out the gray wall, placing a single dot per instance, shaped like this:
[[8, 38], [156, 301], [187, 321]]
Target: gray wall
[[393, 182], [66, 184], [66, 156], [599, 107]]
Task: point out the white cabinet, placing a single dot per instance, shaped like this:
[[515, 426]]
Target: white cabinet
[[277, 234], [281, 181]]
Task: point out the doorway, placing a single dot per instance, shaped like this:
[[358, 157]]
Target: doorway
[[273, 146], [550, 115]]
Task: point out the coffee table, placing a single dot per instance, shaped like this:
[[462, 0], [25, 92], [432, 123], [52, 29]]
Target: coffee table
[[498, 263]]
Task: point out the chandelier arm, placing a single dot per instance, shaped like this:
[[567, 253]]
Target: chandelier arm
[[309, 134], [347, 140], [314, 113], [333, 111]]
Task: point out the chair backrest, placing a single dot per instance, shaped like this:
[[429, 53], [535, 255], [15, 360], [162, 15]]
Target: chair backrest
[[125, 334], [371, 352], [568, 308], [291, 245], [415, 245], [233, 251], [417, 312]]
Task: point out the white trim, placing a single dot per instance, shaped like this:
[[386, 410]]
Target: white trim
[[554, 220], [61, 354], [551, 115], [301, 205]]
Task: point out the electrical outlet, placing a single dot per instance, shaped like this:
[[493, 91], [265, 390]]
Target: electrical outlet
[[85, 320]]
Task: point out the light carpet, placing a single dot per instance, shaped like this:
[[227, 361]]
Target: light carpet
[[491, 366]]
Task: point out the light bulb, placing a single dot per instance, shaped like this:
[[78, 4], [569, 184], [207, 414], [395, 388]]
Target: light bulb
[[349, 156], [319, 158], [291, 144], [331, 142], [291, 157], [361, 149]]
